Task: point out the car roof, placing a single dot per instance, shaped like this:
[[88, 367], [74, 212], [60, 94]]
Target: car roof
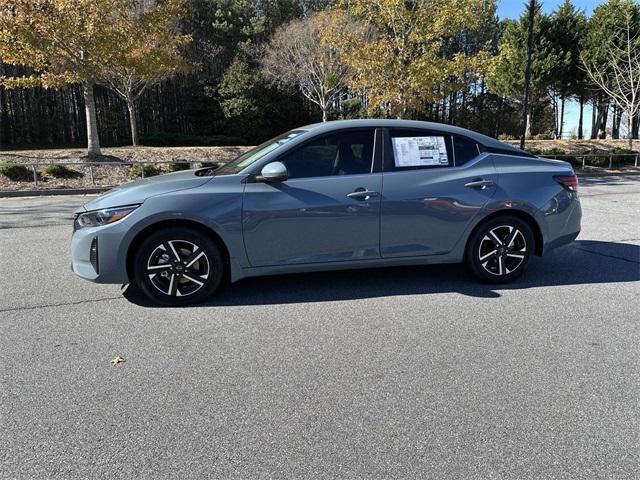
[[485, 140]]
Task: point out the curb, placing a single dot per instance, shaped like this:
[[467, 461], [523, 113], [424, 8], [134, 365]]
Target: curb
[[60, 191]]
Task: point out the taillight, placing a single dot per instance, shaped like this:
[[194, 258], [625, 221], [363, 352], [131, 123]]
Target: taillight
[[570, 182]]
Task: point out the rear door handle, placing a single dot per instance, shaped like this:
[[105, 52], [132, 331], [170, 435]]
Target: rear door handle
[[480, 184], [362, 194]]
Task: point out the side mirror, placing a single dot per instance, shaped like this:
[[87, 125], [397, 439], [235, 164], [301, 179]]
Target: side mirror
[[274, 172]]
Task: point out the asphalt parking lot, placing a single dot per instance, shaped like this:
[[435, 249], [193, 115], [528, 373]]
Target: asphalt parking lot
[[389, 373]]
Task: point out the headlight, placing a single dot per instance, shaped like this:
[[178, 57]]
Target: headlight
[[98, 218]]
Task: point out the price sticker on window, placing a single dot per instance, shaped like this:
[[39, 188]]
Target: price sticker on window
[[419, 151]]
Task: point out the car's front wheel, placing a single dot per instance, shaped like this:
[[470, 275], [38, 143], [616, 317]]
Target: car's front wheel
[[499, 249], [178, 266]]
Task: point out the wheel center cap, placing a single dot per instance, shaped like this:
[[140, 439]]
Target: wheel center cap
[[179, 268]]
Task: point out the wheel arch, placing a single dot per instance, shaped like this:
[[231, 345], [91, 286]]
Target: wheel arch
[[173, 223], [522, 215]]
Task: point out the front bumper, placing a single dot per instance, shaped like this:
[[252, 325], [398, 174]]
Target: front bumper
[[111, 265]]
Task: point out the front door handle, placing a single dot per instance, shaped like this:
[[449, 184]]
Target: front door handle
[[480, 184], [362, 194]]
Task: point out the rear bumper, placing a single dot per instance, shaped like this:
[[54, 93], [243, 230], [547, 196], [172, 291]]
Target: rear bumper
[[562, 219], [564, 240]]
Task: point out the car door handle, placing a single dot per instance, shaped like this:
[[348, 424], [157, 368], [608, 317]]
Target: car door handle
[[362, 194], [480, 184]]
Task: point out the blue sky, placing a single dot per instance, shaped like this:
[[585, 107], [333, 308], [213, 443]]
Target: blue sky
[[513, 9]]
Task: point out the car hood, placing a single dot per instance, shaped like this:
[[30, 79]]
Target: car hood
[[139, 191]]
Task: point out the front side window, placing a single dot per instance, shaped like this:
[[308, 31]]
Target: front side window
[[341, 153], [465, 150], [418, 149]]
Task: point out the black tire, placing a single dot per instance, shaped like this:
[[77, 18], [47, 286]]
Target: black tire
[[168, 280], [499, 249]]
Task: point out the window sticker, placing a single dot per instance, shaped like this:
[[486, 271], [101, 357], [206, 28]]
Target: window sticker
[[419, 151]]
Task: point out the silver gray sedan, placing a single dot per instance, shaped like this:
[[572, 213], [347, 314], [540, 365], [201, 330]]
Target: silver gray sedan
[[337, 195]]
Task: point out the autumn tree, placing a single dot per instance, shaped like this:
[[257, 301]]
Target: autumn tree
[[146, 52], [63, 41], [296, 56], [396, 50]]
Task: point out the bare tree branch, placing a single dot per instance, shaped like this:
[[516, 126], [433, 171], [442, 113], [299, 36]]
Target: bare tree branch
[[619, 76]]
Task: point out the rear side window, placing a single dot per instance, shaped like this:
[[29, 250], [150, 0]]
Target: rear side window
[[465, 150], [418, 149], [343, 153]]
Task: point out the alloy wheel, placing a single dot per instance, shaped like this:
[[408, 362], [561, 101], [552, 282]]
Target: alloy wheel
[[502, 250], [178, 268]]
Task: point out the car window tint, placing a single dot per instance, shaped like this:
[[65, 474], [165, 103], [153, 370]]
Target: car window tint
[[342, 153], [465, 150], [418, 149]]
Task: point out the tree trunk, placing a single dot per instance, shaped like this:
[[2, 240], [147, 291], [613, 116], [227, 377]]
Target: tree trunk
[[133, 122], [93, 140], [554, 104], [499, 118], [630, 131], [594, 118], [526, 120], [617, 120], [603, 116], [561, 123], [581, 118], [635, 125], [528, 127]]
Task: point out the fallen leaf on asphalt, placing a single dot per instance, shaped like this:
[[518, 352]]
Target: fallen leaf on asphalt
[[116, 360]]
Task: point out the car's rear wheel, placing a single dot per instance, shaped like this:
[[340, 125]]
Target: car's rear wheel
[[178, 266], [500, 249]]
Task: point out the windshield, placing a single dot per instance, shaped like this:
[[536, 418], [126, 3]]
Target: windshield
[[250, 157]]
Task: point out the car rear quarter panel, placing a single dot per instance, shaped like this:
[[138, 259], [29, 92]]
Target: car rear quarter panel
[[527, 184]]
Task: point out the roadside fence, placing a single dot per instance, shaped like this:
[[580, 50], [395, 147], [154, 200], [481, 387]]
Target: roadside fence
[[607, 160], [124, 171]]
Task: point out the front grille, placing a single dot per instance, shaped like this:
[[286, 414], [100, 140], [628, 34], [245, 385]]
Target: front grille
[[93, 254]]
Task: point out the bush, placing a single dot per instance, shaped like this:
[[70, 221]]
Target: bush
[[624, 156], [177, 166], [542, 136], [17, 173], [181, 140], [618, 150], [551, 152], [209, 164], [60, 171], [149, 170]]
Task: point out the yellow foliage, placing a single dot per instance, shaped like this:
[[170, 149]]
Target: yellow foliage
[[396, 50], [69, 41]]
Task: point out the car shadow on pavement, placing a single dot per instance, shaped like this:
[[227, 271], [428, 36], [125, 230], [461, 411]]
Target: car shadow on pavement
[[582, 262]]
